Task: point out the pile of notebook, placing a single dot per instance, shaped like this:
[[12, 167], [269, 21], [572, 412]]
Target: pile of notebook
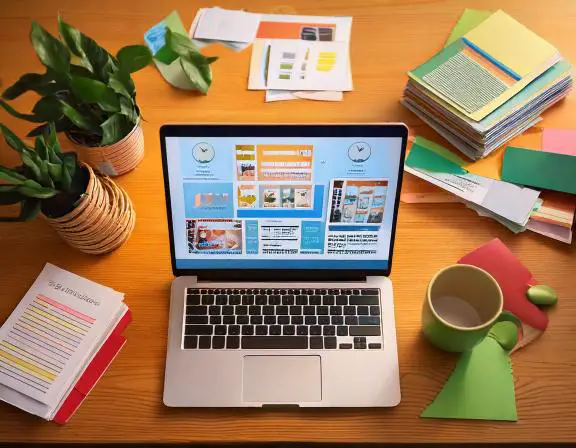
[[58, 342], [489, 83]]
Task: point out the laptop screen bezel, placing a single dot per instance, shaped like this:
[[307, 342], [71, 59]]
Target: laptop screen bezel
[[383, 130]]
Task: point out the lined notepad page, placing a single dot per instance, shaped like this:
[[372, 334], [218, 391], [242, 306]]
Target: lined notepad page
[[54, 329]]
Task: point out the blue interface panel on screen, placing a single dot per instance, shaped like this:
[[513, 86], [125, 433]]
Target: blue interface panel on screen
[[282, 203]]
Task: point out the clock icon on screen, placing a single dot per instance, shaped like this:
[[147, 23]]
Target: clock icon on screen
[[359, 152], [203, 152]]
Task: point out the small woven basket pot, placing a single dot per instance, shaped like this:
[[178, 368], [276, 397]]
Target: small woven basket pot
[[103, 219], [116, 159]]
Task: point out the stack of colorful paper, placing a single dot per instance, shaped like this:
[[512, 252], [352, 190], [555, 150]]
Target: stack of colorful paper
[[490, 83]]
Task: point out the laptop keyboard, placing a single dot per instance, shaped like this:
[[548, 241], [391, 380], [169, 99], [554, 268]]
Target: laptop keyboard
[[291, 318]]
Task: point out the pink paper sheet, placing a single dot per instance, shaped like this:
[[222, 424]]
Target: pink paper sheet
[[561, 141]]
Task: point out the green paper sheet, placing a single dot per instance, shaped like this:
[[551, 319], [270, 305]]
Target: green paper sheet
[[469, 20], [429, 160], [540, 169], [480, 388], [440, 150]]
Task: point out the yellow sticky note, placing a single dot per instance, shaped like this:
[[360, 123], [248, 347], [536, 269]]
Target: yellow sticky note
[[512, 44]]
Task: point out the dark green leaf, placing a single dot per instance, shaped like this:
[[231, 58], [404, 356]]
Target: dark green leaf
[[78, 70], [133, 58], [97, 58], [86, 89], [37, 192], [40, 130], [61, 125], [122, 83], [179, 43], [110, 101], [48, 108], [27, 82], [55, 170], [45, 177], [71, 36], [52, 138], [40, 146], [51, 52], [15, 113], [66, 179], [12, 139], [128, 110], [10, 197], [5, 188], [11, 176], [27, 160], [114, 129], [76, 117], [199, 75], [211, 60]]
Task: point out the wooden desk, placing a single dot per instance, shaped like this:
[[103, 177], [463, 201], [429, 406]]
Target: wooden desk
[[388, 38]]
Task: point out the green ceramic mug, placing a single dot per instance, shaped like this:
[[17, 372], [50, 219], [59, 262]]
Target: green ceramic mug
[[462, 303]]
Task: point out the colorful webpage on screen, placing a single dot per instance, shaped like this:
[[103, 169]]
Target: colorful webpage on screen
[[294, 203]]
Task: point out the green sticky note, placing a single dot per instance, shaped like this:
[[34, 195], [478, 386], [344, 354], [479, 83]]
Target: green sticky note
[[469, 20], [425, 159], [480, 388], [540, 169], [440, 150]]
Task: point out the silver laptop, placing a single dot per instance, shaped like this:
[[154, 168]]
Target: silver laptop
[[281, 239]]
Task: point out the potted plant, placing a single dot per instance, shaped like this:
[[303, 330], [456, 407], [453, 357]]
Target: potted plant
[[89, 211], [89, 95]]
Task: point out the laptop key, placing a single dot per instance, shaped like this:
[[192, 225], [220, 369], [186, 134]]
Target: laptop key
[[334, 291], [208, 299], [204, 342], [247, 330], [197, 310], [302, 330], [192, 291], [283, 320], [261, 330], [322, 310], [297, 320], [316, 343], [315, 330], [364, 300], [190, 342], [214, 310], [229, 320], [242, 320], [215, 320], [365, 330], [368, 320], [310, 310], [289, 330], [335, 310], [330, 342], [256, 320], [234, 330], [301, 300], [295, 310], [337, 320], [374, 346], [241, 310], [221, 299], [198, 329], [234, 300], [369, 292], [228, 310], [342, 330], [254, 310], [232, 342], [261, 300], [345, 346], [374, 311], [268, 310], [275, 330], [341, 300], [329, 330], [193, 299], [315, 300], [269, 320], [287, 300], [328, 300], [362, 311], [275, 342], [351, 320], [248, 300], [220, 330], [350, 310], [322, 292], [274, 299], [282, 310], [323, 320], [310, 320], [218, 341], [196, 320]]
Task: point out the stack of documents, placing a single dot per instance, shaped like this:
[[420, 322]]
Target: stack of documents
[[233, 29], [58, 342], [303, 57], [490, 83]]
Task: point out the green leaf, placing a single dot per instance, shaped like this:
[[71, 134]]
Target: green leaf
[[48, 108], [52, 138], [12, 139], [79, 70], [15, 113], [9, 197], [128, 109], [114, 129], [37, 192], [27, 160], [110, 101], [11, 176], [133, 58], [76, 117], [211, 60], [51, 52], [27, 82], [55, 170], [71, 36], [199, 75], [86, 89], [6, 188], [61, 125], [122, 83], [179, 43], [40, 147], [97, 58]]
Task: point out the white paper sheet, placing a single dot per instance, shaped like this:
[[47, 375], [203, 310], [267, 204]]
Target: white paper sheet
[[227, 25]]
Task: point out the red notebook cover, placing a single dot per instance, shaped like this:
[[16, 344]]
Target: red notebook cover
[[94, 371], [514, 280]]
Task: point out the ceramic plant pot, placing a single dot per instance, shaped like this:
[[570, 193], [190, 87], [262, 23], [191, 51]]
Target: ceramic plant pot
[[102, 220], [116, 159]]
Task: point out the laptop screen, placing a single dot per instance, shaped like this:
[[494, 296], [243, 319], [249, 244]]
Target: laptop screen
[[282, 202]]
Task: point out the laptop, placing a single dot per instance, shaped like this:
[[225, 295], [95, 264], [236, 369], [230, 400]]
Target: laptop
[[281, 240]]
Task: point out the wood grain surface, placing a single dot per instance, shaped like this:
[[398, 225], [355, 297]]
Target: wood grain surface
[[389, 37]]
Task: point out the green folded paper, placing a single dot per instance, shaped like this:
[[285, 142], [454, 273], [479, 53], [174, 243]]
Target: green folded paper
[[540, 169], [429, 156]]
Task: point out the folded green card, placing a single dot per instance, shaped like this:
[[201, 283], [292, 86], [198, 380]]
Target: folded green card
[[540, 169]]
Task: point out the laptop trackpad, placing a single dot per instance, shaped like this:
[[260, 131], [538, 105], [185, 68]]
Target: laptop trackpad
[[282, 379]]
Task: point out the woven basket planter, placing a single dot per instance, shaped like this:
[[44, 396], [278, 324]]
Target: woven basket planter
[[116, 159], [103, 219]]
